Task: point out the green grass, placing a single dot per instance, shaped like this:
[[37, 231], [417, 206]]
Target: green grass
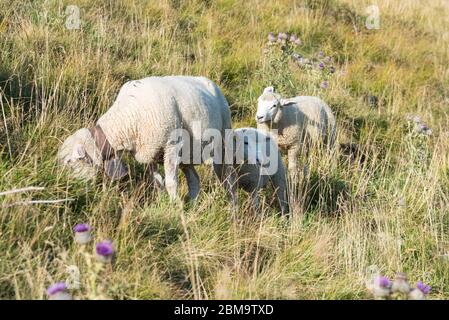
[[346, 217]]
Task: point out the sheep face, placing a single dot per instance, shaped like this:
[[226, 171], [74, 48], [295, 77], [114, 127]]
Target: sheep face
[[80, 154], [254, 147], [268, 105]]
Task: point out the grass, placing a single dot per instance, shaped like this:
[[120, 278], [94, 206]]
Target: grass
[[389, 213]]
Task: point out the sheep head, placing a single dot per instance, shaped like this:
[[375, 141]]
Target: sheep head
[[268, 105], [80, 154]]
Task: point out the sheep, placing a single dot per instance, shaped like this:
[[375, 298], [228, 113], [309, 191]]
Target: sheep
[[146, 119], [257, 160], [299, 122]]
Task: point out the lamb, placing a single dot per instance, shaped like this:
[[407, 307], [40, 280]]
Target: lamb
[[257, 161], [143, 120], [299, 121]]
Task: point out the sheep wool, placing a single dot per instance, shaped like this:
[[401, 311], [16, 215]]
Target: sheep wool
[[300, 122], [144, 120], [257, 161], [146, 111]]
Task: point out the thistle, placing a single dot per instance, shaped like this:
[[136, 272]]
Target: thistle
[[271, 37], [400, 284], [104, 251], [420, 292], [380, 287], [297, 42], [82, 233], [58, 291]]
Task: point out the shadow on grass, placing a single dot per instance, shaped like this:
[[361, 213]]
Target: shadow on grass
[[324, 194], [7, 291]]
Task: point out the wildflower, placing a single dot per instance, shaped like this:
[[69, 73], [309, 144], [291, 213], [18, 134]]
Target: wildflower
[[58, 291], [332, 69], [298, 42], [424, 288], [282, 36], [321, 54], [105, 251], [82, 233], [420, 292], [321, 66], [324, 85], [271, 37], [293, 38], [328, 59], [400, 284], [380, 287]]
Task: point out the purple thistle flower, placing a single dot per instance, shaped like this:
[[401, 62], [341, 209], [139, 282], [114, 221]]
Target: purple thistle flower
[[82, 233], [324, 85], [423, 287], [58, 291], [81, 227], [105, 251], [298, 42], [293, 38], [383, 282], [105, 248], [321, 54], [271, 37], [282, 36], [321, 66], [56, 288]]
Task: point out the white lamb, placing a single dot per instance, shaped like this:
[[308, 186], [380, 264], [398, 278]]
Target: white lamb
[[142, 121], [257, 161], [299, 121]]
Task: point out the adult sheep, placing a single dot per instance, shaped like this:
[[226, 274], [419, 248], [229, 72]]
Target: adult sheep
[[257, 161], [300, 121], [142, 120]]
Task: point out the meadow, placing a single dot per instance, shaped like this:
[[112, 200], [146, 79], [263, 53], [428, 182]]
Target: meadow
[[387, 212]]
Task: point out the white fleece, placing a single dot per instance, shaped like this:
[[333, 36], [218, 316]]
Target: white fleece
[[147, 110], [257, 149], [302, 117]]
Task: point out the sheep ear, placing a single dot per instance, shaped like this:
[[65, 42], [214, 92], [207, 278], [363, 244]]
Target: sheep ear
[[115, 169], [284, 102], [268, 90]]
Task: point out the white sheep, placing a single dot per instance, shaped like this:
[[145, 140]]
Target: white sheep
[[257, 161], [299, 121], [142, 120]]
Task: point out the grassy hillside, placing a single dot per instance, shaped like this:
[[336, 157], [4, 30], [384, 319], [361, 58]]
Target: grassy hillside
[[388, 213]]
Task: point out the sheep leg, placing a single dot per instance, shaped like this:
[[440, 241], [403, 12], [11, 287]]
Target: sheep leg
[[227, 175], [193, 181], [155, 176], [280, 185], [171, 165]]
